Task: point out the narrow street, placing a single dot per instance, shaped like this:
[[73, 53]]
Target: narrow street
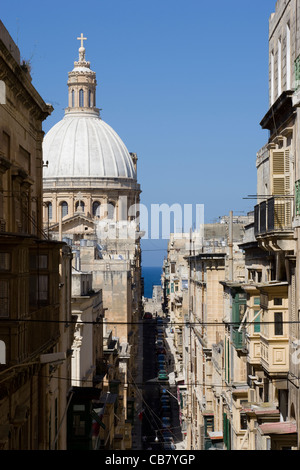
[[160, 426]]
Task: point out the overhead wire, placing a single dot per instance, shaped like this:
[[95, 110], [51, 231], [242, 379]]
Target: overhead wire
[[111, 322]]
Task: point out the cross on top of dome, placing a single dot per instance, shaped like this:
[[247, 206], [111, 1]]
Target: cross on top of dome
[[82, 39], [82, 49]]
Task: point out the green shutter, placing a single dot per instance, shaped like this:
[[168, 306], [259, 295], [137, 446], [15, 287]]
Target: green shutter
[[256, 322]]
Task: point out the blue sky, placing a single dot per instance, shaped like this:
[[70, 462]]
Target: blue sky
[[183, 82]]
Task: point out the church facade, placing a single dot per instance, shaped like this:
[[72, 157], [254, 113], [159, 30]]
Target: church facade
[[91, 202]]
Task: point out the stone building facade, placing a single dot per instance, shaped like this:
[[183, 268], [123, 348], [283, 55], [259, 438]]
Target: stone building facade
[[34, 275]]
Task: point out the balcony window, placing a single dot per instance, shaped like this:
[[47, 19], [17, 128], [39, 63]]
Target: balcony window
[[297, 72], [278, 323], [38, 289], [256, 322], [274, 214], [243, 421], [39, 280], [4, 261], [2, 352], [4, 298]]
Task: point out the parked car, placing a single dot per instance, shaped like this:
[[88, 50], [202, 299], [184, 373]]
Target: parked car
[[161, 351], [147, 316], [165, 401], [167, 435], [166, 414], [161, 357], [169, 446], [165, 405], [159, 343], [166, 422], [159, 321], [162, 375]]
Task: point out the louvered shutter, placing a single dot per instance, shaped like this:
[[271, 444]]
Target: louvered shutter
[[281, 187]]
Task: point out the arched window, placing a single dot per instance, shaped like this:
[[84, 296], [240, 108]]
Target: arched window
[[96, 209], [79, 204], [90, 99], [2, 352], [111, 211], [73, 98], [81, 101], [64, 209], [49, 208]]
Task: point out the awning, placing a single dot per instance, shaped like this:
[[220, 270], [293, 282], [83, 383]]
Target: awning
[[286, 427], [216, 435]]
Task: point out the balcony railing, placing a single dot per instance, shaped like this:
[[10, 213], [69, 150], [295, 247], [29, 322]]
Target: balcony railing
[[273, 215]]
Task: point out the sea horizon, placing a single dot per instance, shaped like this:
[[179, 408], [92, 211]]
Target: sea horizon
[[152, 277]]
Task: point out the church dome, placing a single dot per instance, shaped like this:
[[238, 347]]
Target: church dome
[[82, 145], [85, 146]]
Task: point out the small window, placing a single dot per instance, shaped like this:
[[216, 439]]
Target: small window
[[96, 209], [64, 209], [81, 98], [277, 301], [73, 99], [90, 99], [49, 210], [278, 326]]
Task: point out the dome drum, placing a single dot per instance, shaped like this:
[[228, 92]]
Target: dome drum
[[85, 155]]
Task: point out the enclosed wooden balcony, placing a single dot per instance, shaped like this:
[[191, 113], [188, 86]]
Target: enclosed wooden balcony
[[274, 335], [273, 215]]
